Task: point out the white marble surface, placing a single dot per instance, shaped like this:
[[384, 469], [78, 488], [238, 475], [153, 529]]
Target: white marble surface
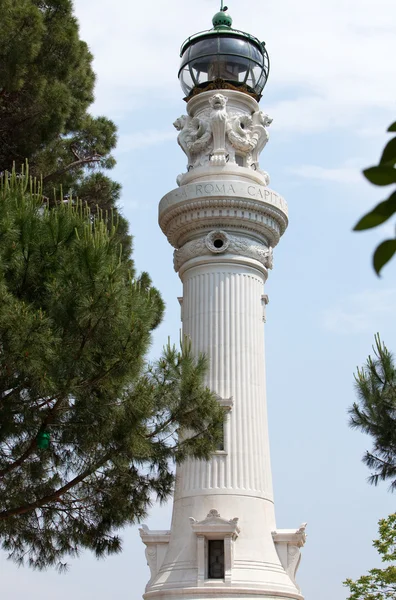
[[223, 223]]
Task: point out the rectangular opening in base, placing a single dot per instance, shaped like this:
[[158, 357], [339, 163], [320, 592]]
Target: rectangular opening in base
[[215, 559]]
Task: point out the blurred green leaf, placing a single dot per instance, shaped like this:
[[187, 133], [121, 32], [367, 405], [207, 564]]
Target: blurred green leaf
[[392, 127], [380, 175], [378, 215], [383, 254], [389, 154]]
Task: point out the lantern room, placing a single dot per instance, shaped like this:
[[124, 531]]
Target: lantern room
[[223, 58]]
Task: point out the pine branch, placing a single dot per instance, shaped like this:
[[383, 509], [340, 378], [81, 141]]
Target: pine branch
[[33, 445], [55, 496], [95, 158]]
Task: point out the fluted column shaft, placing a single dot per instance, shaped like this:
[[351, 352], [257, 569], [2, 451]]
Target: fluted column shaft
[[223, 316]]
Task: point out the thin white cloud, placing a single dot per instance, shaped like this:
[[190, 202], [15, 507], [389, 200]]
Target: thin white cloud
[[343, 175], [362, 312], [150, 137], [331, 62]]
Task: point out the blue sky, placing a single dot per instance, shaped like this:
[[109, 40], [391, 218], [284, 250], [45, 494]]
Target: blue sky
[[331, 94]]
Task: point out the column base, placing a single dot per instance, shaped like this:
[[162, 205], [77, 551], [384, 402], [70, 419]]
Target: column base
[[218, 593]]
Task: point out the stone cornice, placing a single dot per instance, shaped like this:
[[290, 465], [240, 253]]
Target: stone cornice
[[294, 537], [222, 205], [215, 526], [154, 536]]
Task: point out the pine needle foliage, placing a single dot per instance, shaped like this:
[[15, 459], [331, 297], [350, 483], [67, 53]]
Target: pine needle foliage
[[379, 584], [88, 429], [375, 412], [46, 90]]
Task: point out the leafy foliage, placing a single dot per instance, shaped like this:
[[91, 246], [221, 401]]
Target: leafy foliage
[[379, 584], [375, 412], [88, 430], [382, 175]]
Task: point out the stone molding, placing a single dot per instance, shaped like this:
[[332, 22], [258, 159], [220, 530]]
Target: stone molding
[[222, 205], [212, 591], [215, 527], [231, 245]]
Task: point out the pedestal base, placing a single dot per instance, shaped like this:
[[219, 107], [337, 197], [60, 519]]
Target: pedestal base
[[216, 593]]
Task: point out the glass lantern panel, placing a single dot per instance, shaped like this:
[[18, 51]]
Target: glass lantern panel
[[231, 45], [186, 80], [198, 75], [185, 57], [256, 73], [249, 81], [256, 54], [261, 82], [204, 47], [230, 68], [203, 65]]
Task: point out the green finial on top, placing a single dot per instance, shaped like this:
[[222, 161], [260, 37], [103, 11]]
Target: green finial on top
[[221, 19]]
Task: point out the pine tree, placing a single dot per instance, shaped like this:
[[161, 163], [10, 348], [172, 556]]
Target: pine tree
[[46, 89], [375, 412], [88, 429], [46, 76]]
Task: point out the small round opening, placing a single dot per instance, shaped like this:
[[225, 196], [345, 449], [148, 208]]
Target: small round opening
[[218, 243]]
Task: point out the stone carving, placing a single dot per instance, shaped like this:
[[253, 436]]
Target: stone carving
[[194, 139], [215, 136], [240, 133], [219, 122], [219, 242], [301, 534], [188, 251], [156, 543], [260, 121], [245, 247], [270, 258], [288, 543], [293, 562], [215, 522], [151, 556]]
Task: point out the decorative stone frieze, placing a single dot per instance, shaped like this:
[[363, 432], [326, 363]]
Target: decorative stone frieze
[[219, 242], [220, 135]]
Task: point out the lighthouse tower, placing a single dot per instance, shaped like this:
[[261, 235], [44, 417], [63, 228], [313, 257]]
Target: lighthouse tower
[[224, 221]]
